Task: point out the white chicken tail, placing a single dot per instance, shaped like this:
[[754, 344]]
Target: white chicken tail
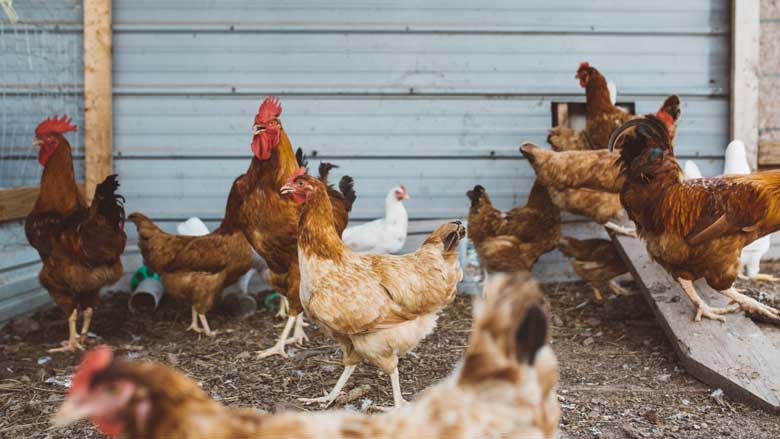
[[736, 161], [691, 171]]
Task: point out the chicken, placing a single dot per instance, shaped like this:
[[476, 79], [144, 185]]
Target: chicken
[[694, 228], [197, 268], [383, 235], [513, 241], [601, 113], [376, 306], [506, 387], [274, 233], [597, 261], [80, 245]]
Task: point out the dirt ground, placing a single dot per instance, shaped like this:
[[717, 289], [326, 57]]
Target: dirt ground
[[620, 378]]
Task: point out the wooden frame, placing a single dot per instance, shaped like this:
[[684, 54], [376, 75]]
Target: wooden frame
[[16, 203], [745, 31], [97, 93]]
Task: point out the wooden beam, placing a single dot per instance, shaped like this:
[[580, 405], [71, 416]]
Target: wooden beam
[[16, 203], [769, 153], [562, 114], [97, 92], [745, 31], [737, 356]]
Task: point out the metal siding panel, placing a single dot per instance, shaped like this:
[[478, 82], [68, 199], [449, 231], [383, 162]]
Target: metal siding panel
[[344, 127], [665, 16], [437, 63]]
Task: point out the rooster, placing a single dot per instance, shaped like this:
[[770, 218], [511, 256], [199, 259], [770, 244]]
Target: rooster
[[80, 245], [504, 388], [513, 241], [383, 235], [270, 221], [694, 228], [376, 306], [197, 268]]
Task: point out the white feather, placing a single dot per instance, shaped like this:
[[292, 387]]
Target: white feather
[[612, 92], [691, 170], [383, 235]]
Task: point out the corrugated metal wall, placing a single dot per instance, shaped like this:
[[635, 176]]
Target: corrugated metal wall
[[435, 94]]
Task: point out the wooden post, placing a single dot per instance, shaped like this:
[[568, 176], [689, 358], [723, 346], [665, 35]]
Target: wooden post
[[745, 29], [97, 92]]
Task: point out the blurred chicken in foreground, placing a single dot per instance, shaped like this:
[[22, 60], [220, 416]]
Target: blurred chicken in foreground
[[505, 387], [513, 241]]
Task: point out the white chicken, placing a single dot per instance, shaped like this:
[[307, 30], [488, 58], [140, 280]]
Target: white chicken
[[383, 235], [736, 163]]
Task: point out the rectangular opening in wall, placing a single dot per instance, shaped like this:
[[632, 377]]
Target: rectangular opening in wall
[[572, 114]]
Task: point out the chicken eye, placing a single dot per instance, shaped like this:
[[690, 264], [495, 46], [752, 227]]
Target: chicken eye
[[300, 183]]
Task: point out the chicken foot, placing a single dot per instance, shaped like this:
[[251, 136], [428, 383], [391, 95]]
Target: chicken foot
[[278, 348], [205, 324], [330, 397], [194, 325], [72, 344], [620, 230], [398, 398], [751, 305], [85, 324], [299, 336], [702, 309]]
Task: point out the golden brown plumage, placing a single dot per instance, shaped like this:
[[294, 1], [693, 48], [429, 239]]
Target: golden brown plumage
[[694, 228], [513, 241], [270, 221], [197, 268], [377, 306], [595, 260], [505, 388], [80, 245]]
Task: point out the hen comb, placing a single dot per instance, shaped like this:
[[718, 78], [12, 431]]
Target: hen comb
[[269, 110], [94, 361], [54, 125], [666, 118], [583, 65], [403, 188]]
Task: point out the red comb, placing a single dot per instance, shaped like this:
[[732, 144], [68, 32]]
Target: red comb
[[53, 125], [403, 188], [93, 362], [665, 117], [583, 65], [269, 110]]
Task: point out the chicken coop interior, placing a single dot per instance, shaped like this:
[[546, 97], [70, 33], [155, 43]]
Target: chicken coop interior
[[376, 219]]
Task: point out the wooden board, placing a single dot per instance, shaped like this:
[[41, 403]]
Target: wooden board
[[16, 203], [745, 61], [769, 153], [737, 356]]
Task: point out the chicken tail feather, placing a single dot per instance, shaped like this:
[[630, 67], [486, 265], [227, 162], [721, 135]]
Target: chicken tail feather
[[324, 171], [108, 203], [347, 188]]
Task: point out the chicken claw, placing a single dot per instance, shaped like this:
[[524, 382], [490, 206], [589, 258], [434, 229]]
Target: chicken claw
[[276, 349], [71, 345], [324, 401], [194, 325], [299, 336], [620, 230], [704, 310], [751, 305]]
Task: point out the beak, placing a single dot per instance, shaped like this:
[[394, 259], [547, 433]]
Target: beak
[[257, 129], [286, 189], [70, 411], [36, 142], [407, 196]]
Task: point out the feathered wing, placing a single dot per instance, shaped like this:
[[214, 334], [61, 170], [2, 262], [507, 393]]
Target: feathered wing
[[42, 229], [567, 139], [594, 169], [373, 292]]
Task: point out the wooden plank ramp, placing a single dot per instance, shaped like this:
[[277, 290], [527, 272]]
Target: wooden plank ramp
[[738, 356]]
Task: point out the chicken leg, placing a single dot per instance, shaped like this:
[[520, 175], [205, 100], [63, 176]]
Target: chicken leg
[[620, 230], [299, 336], [194, 325], [330, 397], [398, 398], [85, 324], [72, 343], [751, 305], [702, 309], [278, 348], [205, 324], [284, 307]]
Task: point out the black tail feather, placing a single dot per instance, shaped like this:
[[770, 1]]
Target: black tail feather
[[300, 157], [347, 188], [108, 203], [324, 171]]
